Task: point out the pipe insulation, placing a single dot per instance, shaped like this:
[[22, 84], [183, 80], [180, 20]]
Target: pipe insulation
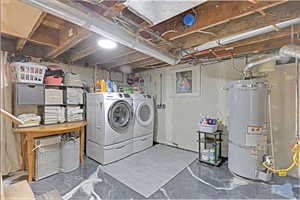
[[238, 37], [102, 26]]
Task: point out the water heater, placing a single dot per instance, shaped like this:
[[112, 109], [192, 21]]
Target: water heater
[[247, 128]]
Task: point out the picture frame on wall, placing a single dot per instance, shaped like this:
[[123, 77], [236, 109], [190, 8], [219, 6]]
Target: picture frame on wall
[[184, 82]]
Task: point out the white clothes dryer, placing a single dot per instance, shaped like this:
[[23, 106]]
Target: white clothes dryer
[[143, 121]]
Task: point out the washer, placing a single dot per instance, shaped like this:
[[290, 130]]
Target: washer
[[143, 121], [110, 126]]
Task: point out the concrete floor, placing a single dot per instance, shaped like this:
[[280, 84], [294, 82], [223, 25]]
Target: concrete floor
[[197, 181]]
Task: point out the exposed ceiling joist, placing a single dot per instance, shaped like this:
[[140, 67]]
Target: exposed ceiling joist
[[262, 46], [134, 57], [214, 13], [21, 42], [45, 36], [102, 26], [70, 37], [278, 14], [113, 58], [262, 38]]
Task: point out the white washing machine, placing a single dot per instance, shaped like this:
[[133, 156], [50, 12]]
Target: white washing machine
[[143, 121], [110, 126]]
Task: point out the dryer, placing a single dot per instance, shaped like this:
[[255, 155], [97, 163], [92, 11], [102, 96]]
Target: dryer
[[143, 121], [110, 126]]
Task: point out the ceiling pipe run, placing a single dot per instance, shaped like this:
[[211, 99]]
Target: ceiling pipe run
[[261, 61], [102, 26], [286, 51], [239, 37], [290, 51]]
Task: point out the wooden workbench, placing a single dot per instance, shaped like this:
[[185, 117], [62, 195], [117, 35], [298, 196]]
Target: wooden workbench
[[46, 130]]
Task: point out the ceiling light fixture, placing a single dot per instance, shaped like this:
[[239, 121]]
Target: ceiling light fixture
[[107, 44]]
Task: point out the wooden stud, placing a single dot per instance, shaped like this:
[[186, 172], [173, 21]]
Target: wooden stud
[[21, 42]]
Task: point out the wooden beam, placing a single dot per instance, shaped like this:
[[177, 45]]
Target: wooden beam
[[261, 38], [45, 36], [21, 42], [254, 47], [86, 48], [68, 38], [251, 48], [213, 13], [52, 21], [132, 58], [262, 46], [277, 14]]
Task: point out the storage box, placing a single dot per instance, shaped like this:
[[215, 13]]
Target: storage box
[[48, 156], [208, 128], [70, 155], [29, 94], [74, 95], [53, 96]]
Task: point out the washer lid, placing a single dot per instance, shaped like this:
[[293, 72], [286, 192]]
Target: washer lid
[[120, 115], [145, 113]]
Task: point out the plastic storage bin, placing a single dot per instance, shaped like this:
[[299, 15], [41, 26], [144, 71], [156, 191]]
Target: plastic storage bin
[[47, 156], [70, 155], [29, 94], [29, 72], [208, 128]]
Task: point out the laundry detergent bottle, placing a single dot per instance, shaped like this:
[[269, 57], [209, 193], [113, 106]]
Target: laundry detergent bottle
[[109, 86], [103, 86]]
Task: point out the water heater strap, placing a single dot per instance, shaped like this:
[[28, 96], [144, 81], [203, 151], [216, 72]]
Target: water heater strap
[[242, 146]]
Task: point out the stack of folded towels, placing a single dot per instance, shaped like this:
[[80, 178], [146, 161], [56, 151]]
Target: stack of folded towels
[[72, 79], [30, 119], [74, 113], [54, 114]]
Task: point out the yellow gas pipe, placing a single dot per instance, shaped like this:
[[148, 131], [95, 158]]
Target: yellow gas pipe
[[283, 172]]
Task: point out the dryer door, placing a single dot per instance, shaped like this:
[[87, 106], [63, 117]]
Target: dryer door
[[120, 115], [145, 113]]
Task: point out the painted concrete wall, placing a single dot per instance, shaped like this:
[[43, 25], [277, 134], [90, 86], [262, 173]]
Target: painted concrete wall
[[177, 124]]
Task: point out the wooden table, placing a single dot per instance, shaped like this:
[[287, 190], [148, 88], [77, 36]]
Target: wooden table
[[46, 130]]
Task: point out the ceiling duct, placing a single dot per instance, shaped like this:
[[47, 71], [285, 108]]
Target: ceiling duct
[[102, 26], [290, 51], [284, 52]]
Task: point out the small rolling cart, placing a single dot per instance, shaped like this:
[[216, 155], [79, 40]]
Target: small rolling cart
[[211, 152]]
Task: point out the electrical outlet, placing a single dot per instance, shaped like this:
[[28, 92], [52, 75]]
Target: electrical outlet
[[161, 106]]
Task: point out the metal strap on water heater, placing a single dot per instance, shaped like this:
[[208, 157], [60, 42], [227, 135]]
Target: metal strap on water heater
[[243, 146]]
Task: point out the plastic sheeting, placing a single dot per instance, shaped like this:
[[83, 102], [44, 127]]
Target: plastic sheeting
[[10, 160]]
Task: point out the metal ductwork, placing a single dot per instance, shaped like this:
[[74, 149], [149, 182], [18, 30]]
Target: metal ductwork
[[261, 61], [290, 51], [102, 26], [239, 37], [286, 51]]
